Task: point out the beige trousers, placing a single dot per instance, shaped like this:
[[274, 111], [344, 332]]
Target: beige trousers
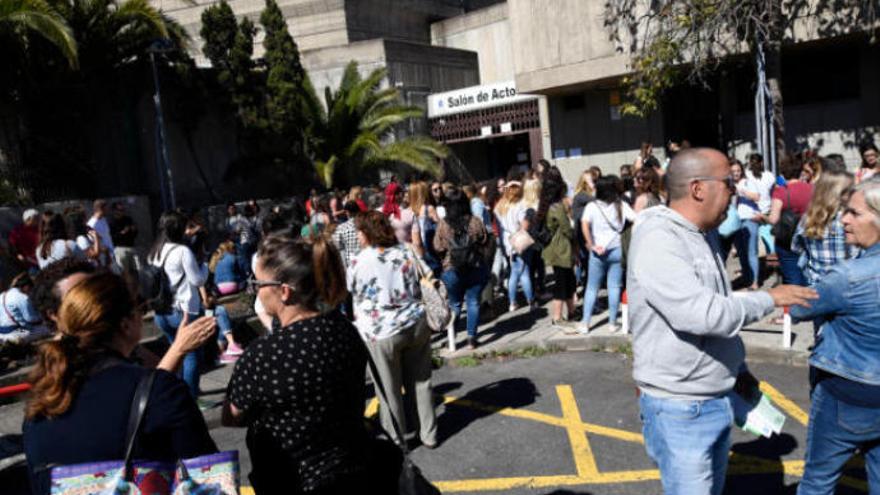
[[404, 360]]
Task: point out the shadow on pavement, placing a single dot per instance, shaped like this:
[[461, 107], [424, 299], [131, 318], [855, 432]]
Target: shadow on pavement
[[511, 392], [770, 450], [567, 492]]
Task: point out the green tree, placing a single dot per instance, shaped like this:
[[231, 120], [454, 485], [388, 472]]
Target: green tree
[[671, 40], [285, 75], [356, 130], [230, 48], [21, 18]]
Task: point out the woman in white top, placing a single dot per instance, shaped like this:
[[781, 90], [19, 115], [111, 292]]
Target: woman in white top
[[511, 214], [185, 275], [389, 315], [753, 203], [54, 244], [602, 224]]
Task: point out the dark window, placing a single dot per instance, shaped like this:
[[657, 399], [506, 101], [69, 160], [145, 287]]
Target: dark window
[[573, 102]]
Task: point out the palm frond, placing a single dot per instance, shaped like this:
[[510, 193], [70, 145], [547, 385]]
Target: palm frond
[[36, 16]]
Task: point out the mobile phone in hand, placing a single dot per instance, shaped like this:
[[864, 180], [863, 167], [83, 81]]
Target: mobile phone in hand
[[209, 312]]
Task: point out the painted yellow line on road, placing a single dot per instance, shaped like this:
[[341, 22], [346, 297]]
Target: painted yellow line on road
[[785, 403], [372, 408], [580, 445], [246, 490], [506, 411], [497, 484]]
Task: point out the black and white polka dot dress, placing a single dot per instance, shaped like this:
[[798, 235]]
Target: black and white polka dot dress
[[303, 386]]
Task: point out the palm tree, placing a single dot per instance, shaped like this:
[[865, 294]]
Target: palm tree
[[19, 18], [355, 131]]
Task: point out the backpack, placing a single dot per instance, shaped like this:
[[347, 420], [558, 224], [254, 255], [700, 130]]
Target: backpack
[[783, 231], [464, 253], [156, 287]]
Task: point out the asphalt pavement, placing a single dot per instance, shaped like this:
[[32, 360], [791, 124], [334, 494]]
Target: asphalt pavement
[[568, 423], [563, 423]]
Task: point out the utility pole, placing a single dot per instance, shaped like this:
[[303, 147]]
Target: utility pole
[[765, 131], [163, 164]]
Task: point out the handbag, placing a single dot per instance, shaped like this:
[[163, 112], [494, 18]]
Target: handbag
[[411, 481], [783, 231], [731, 224], [521, 241], [213, 474], [434, 296]]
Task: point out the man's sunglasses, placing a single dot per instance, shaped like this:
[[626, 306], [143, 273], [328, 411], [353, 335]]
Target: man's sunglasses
[[728, 181]]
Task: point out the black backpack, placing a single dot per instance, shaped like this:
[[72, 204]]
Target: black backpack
[[156, 287], [783, 231], [464, 253]]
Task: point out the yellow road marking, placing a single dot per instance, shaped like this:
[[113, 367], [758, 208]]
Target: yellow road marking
[[506, 411], [785, 403], [246, 490], [580, 445], [372, 408]]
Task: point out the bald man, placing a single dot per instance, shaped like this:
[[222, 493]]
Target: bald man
[[686, 320]]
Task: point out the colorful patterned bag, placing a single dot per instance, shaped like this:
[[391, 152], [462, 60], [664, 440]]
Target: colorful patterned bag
[[213, 474]]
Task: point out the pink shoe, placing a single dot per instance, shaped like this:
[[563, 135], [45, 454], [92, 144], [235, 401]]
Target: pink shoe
[[227, 358], [234, 349]]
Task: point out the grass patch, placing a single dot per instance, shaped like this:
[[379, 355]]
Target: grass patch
[[501, 356]]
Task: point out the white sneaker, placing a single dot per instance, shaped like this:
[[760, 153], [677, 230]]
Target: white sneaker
[[583, 329], [512, 308]]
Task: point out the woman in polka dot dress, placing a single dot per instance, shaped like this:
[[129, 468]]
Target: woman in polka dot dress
[[300, 390]]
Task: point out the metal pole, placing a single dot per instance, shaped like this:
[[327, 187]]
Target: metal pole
[[165, 163]]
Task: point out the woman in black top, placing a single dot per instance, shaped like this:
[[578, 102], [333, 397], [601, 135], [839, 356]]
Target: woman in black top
[[300, 390], [83, 385]]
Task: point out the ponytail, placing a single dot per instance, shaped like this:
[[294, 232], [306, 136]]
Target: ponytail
[[329, 272], [91, 314], [312, 269]]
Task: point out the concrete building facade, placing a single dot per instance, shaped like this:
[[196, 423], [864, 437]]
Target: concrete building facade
[[559, 51]]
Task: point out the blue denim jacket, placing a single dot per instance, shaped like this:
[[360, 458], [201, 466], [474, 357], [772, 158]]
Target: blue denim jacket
[[227, 270], [848, 344]]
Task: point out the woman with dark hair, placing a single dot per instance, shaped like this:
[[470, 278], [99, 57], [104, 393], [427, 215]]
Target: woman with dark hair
[[870, 159], [602, 224], [559, 253], [171, 253], [54, 244], [83, 384], [300, 390], [466, 247], [647, 182], [87, 239], [793, 197], [390, 317]]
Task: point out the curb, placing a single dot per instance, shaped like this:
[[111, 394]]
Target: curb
[[612, 343]]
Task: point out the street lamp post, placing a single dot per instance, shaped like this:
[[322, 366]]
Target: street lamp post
[[163, 164]]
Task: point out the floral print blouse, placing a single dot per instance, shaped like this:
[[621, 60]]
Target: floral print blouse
[[384, 285]]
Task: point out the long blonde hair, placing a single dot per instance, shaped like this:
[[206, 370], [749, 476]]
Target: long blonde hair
[[532, 193], [583, 184], [418, 196], [513, 194], [826, 202], [222, 249]]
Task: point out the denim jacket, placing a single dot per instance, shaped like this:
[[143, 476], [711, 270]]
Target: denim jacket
[[848, 344]]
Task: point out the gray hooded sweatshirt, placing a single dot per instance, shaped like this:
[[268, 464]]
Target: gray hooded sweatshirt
[[684, 317]]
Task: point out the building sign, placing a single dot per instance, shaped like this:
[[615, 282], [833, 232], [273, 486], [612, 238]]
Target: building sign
[[473, 98]]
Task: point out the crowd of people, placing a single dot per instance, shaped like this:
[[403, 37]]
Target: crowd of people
[[338, 282]]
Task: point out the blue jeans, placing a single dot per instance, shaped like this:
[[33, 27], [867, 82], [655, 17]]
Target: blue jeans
[[747, 247], [224, 323], [606, 266], [788, 265], [467, 286], [520, 274], [689, 440], [835, 431], [168, 323]]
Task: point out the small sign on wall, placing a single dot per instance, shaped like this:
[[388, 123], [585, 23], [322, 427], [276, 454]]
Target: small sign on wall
[[506, 127], [486, 131]]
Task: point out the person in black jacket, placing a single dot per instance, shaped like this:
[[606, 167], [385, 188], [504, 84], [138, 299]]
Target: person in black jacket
[[83, 384]]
